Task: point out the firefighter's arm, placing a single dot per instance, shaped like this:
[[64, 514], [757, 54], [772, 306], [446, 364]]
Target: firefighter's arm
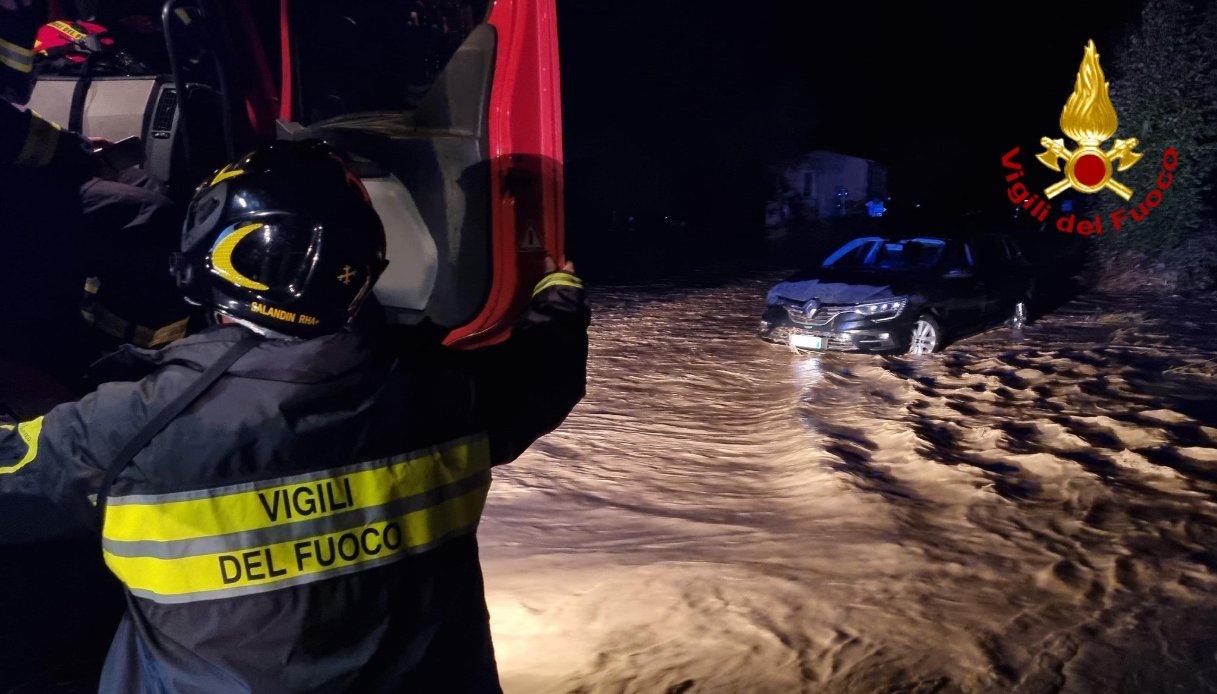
[[47, 475], [28, 140], [525, 387]]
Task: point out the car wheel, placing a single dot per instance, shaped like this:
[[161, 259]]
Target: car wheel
[[925, 336], [1018, 317]]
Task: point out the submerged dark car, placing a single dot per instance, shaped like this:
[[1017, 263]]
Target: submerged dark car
[[901, 294]]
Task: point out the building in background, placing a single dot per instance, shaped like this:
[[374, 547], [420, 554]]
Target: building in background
[[825, 185]]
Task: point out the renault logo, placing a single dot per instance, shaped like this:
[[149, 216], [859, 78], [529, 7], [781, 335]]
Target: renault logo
[[810, 308]]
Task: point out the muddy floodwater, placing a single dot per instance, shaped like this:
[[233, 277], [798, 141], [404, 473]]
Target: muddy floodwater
[[1030, 512]]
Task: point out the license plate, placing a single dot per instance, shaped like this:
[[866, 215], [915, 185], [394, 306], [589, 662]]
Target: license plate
[[807, 341]]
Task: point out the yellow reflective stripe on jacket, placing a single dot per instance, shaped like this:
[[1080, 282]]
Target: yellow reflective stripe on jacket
[[557, 279], [28, 431], [15, 57], [40, 142], [263, 568], [270, 503]]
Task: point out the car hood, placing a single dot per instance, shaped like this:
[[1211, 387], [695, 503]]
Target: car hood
[[839, 288]]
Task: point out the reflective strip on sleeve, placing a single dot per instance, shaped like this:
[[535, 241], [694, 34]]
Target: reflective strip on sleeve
[[28, 431], [557, 279], [40, 142], [264, 536], [15, 57]]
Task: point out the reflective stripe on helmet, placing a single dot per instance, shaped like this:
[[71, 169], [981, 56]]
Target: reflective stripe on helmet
[[226, 173], [221, 256], [69, 31]]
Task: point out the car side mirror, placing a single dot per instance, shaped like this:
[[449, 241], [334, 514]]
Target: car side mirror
[[958, 273]]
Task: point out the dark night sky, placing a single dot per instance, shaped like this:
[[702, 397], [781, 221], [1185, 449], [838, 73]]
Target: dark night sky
[[689, 97]]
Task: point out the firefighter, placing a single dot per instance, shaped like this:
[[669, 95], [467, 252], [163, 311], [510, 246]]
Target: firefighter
[[290, 496], [41, 171], [65, 216]]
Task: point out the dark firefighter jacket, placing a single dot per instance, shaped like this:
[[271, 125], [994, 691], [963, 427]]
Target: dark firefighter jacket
[[41, 171], [28, 140], [60, 223], [308, 524], [41, 269]]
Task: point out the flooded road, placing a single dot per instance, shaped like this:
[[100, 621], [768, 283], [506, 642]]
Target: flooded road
[[1028, 512]]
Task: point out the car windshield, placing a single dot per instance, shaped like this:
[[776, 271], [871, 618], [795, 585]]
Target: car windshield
[[877, 254]]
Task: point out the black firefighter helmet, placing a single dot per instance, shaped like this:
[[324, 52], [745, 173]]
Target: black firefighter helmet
[[285, 238]]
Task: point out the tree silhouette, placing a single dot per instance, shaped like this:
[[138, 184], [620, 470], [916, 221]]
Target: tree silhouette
[[1165, 94]]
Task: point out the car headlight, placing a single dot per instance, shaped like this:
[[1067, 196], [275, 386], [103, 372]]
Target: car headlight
[[882, 310]]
